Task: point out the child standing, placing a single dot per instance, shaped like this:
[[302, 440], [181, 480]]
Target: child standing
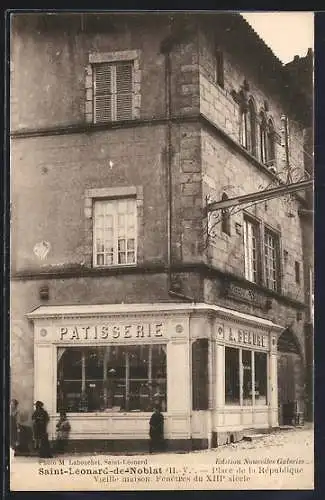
[[62, 432]]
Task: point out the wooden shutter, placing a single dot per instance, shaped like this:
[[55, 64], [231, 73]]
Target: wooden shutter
[[124, 94], [103, 92]]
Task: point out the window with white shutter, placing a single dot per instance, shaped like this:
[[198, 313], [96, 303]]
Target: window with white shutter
[[271, 252], [113, 91], [251, 251]]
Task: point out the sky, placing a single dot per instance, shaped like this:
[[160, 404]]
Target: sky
[[286, 33]]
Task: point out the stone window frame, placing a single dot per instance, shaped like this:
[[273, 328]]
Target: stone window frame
[[267, 140], [262, 229], [111, 57], [251, 266], [112, 193], [248, 119], [276, 237]]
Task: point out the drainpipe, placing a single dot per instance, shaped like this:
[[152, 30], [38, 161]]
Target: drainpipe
[[165, 48]]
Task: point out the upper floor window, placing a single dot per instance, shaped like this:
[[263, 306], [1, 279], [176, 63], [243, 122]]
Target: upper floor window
[[114, 232], [225, 217], [113, 92], [261, 254], [267, 141], [251, 245], [248, 127], [270, 144], [271, 253], [219, 68], [263, 139], [113, 86]]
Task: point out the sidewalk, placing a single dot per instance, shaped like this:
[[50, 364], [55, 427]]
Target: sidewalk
[[281, 460]]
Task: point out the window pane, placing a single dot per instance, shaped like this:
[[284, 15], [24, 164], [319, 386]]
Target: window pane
[[121, 245], [231, 375], [131, 244], [260, 378], [247, 377], [100, 260], [122, 258], [130, 258]]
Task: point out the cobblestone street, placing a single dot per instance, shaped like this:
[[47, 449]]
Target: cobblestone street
[[281, 460]]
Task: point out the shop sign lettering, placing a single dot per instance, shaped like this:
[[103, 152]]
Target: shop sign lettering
[[111, 332], [241, 336]]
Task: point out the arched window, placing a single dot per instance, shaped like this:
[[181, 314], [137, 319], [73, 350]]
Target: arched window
[[248, 126], [225, 217], [251, 127], [263, 138], [270, 143]]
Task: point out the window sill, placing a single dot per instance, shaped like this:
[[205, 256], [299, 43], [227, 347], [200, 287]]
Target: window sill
[[115, 266], [245, 407], [109, 413]]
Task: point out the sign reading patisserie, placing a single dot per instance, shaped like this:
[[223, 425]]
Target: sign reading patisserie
[[110, 331]]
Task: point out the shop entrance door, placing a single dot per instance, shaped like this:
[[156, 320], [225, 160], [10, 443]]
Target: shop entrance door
[[290, 380]]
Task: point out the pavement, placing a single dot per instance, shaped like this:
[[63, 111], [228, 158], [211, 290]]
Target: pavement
[[283, 459]]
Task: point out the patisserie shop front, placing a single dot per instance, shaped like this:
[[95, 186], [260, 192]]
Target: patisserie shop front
[[212, 371]]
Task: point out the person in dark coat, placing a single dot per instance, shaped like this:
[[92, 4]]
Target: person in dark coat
[[156, 431], [40, 420], [14, 424], [62, 432]]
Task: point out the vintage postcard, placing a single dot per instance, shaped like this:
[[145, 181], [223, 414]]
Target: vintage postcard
[[161, 274]]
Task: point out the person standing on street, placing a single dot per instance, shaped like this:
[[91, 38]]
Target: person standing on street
[[40, 420], [14, 424], [156, 431], [62, 432]]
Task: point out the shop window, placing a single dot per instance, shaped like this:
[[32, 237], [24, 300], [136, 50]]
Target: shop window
[[232, 376], [225, 217], [200, 375], [245, 377], [251, 250], [114, 232], [271, 255], [260, 365], [112, 378]]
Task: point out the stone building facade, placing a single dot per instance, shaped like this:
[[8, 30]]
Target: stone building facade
[[123, 129]]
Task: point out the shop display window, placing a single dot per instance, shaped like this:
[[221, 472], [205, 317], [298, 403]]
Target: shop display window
[[245, 377], [260, 378], [232, 375], [111, 378]]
